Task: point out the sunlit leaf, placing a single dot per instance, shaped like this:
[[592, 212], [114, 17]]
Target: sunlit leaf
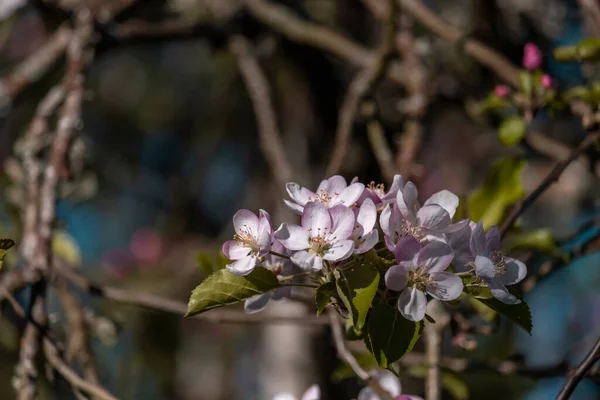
[[357, 287], [343, 372], [205, 263], [473, 286], [323, 296], [512, 130], [5, 244]]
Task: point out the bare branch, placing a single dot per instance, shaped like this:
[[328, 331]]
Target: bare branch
[[583, 368]]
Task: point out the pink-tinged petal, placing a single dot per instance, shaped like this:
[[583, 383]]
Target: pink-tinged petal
[[308, 262], [388, 382], [501, 293], [389, 243], [284, 396], [316, 219], [385, 220], [396, 278], [408, 203], [369, 194], [445, 286], [515, 272], [243, 266], [354, 180], [435, 257], [532, 57], [406, 249], [349, 195], [408, 397], [492, 239], [446, 199], [459, 240], [484, 268], [264, 243], [369, 241], [367, 215], [292, 237], [312, 393], [340, 251], [478, 241], [245, 220], [397, 185], [264, 222], [296, 208], [234, 251], [412, 304], [257, 303], [458, 226], [335, 185], [434, 217], [299, 194], [343, 221]]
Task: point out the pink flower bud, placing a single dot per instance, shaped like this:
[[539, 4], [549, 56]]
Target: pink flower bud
[[501, 91], [546, 81], [532, 57]]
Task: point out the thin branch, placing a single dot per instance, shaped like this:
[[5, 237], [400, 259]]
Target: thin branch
[[260, 94], [583, 368], [591, 10], [433, 349], [17, 279], [348, 357], [379, 145], [551, 178]]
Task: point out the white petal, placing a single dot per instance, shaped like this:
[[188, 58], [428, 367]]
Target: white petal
[[284, 396], [245, 220], [389, 382], [385, 220], [501, 293], [264, 243], [515, 271], [316, 219], [484, 268], [445, 286], [369, 241], [434, 217], [350, 195], [397, 185], [435, 257], [412, 304], [296, 208], [445, 199], [408, 203], [307, 261], [264, 222], [243, 266], [233, 250], [281, 293], [492, 239], [396, 277], [257, 303], [299, 194], [342, 221], [406, 249], [340, 251], [292, 237], [478, 241], [367, 215], [333, 185], [312, 393]]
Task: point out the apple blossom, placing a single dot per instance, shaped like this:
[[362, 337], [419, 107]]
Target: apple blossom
[[331, 192]]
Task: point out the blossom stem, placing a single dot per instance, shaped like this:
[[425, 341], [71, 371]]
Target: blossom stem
[[279, 254]]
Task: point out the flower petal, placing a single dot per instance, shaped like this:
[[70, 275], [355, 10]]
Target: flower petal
[[292, 237], [435, 257], [243, 266], [350, 195], [446, 199], [367, 215], [341, 250], [500, 292], [492, 239], [484, 268], [515, 271], [284, 396], [264, 222], [299, 194], [312, 393], [316, 219], [445, 286], [397, 184], [406, 249], [408, 203], [478, 241], [264, 243], [334, 185], [389, 382], [434, 217], [281, 293], [396, 277], [296, 208], [307, 261], [234, 251], [342, 221], [385, 220], [369, 241], [257, 303], [245, 220], [412, 304]]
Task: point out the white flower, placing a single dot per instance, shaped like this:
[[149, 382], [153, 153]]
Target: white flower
[[331, 192], [252, 240]]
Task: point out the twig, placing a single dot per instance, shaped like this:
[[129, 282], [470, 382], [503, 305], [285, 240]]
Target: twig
[[34, 66], [17, 279], [260, 94], [551, 178], [378, 141], [482, 53], [587, 363], [360, 85], [433, 349], [591, 10], [348, 357]]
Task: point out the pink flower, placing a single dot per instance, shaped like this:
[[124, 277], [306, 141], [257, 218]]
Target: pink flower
[[532, 57], [546, 81], [502, 91]]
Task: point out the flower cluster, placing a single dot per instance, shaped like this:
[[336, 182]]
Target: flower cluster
[[340, 223]]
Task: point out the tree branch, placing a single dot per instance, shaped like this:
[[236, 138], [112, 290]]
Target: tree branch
[[587, 363]]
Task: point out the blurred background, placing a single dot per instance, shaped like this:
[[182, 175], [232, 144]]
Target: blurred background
[[171, 151]]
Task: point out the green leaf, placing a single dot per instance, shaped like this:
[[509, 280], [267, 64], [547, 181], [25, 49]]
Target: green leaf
[[578, 92], [512, 130], [517, 313], [389, 335], [586, 50], [451, 382], [526, 82], [343, 372], [222, 261], [357, 287], [476, 288], [5, 244], [323, 296], [223, 288], [205, 263], [538, 239], [501, 188]]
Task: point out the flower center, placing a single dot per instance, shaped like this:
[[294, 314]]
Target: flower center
[[320, 243], [378, 189], [407, 229], [419, 278], [246, 239], [499, 263], [322, 196]]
